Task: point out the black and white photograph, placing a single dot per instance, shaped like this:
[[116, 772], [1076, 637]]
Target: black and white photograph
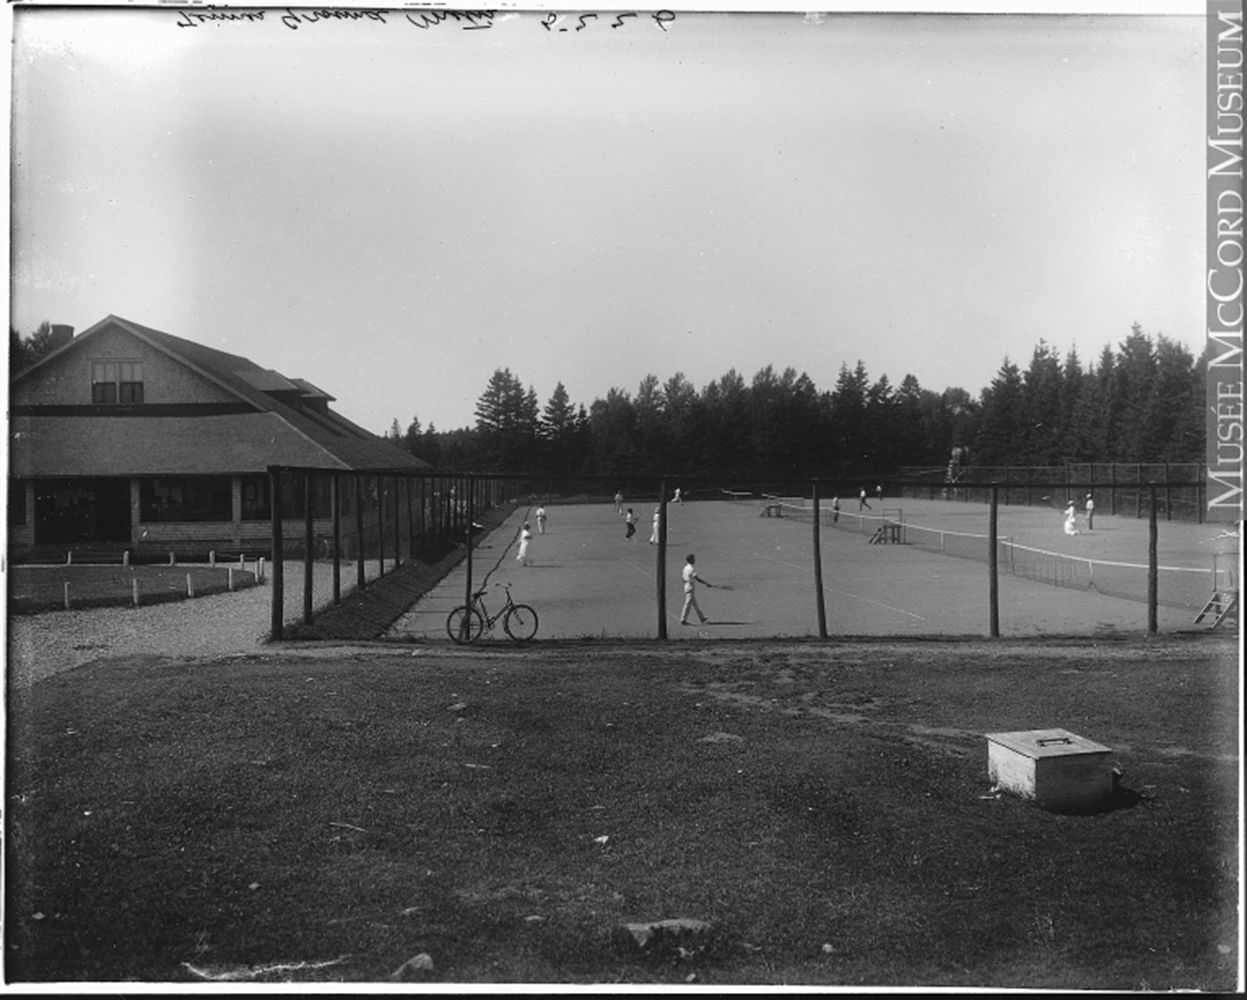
[[716, 498]]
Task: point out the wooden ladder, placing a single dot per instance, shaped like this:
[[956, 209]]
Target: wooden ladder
[[1223, 604]]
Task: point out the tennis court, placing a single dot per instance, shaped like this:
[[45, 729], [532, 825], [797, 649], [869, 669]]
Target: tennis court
[[586, 580]]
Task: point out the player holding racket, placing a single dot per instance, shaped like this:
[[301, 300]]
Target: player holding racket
[[691, 580]]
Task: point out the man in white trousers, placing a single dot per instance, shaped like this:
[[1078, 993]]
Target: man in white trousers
[[691, 580]]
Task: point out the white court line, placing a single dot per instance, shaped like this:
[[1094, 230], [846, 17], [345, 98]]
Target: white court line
[[845, 593], [643, 572], [856, 597]]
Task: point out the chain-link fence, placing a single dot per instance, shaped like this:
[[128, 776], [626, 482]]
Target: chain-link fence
[[354, 527], [1117, 487]]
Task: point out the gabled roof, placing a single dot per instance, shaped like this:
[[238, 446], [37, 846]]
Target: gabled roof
[[338, 442]]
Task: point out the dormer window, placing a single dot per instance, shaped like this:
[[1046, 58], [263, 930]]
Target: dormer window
[[117, 382]]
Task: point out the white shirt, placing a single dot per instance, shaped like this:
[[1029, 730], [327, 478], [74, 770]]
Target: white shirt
[[690, 576]]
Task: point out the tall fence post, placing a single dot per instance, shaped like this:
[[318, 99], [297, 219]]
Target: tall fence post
[[1152, 571], [398, 534], [278, 596], [411, 522], [992, 567], [421, 521], [467, 597], [820, 602], [661, 582], [380, 485]]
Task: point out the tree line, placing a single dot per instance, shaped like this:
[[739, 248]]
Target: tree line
[[1140, 402]]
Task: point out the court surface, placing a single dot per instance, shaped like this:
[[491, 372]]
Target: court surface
[[586, 580]]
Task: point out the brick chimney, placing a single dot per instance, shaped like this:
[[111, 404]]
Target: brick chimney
[[61, 335]]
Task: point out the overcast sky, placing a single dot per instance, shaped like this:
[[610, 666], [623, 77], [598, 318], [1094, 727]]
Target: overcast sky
[[394, 212]]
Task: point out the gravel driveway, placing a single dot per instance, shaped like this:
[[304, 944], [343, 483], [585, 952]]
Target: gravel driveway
[[219, 625]]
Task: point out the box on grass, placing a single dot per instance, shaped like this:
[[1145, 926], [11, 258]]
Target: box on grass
[[1057, 769]]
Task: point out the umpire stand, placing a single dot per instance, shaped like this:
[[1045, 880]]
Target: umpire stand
[[1222, 606], [891, 528]]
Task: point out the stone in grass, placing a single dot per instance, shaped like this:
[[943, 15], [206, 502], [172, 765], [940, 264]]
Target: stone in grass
[[678, 938], [414, 967]]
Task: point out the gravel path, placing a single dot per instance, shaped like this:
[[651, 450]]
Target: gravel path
[[219, 625]]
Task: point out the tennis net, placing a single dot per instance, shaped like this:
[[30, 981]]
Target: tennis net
[[1176, 587]]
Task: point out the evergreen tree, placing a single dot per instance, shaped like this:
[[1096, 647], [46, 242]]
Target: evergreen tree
[[726, 406], [506, 422], [1179, 425], [999, 437], [849, 416], [613, 424], [652, 436], [1041, 430], [1133, 390]]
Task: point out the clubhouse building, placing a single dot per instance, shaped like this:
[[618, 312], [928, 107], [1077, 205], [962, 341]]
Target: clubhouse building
[[127, 438]]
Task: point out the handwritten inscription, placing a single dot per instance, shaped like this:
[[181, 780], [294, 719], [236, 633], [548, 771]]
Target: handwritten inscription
[[466, 20], [470, 20], [661, 18], [196, 18]]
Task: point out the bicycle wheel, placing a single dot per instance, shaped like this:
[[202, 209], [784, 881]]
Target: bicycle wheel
[[465, 624], [520, 623]]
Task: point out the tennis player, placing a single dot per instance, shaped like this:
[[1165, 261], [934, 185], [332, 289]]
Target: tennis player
[[691, 580], [526, 536]]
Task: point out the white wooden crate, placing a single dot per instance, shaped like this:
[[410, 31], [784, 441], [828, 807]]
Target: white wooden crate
[[1057, 769]]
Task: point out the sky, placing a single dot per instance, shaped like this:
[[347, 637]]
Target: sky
[[395, 212]]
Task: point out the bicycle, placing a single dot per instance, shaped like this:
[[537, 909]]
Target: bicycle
[[466, 624]]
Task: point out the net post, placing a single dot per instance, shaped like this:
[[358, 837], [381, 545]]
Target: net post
[[1152, 570], [278, 595], [661, 582], [993, 569], [820, 603]]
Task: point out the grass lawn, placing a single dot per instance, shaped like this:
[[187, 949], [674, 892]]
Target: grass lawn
[[824, 807], [42, 588]]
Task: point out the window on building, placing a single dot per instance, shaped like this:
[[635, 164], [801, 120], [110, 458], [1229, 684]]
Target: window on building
[[256, 504], [186, 498], [117, 382], [17, 501]]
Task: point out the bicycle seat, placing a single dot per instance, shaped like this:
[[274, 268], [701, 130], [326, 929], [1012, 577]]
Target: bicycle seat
[[480, 593]]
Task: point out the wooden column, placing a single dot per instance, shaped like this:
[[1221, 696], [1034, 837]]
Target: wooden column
[[277, 608]]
